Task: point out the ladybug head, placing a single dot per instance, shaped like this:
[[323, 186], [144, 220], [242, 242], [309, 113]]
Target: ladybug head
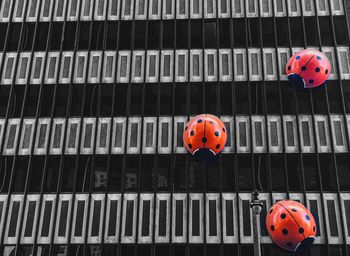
[[205, 154], [297, 81], [304, 245]]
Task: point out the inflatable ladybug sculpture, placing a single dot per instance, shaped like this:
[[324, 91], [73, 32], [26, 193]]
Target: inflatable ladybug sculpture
[[308, 69], [205, 136], [291, 226]]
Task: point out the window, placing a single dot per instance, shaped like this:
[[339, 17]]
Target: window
[[73, 9], [100, 9], [146, 214], [164, 135], [18, 14], [225, 64], [181, 66], [182, 9], [343, 56], [169, 9], [58, 126], [51, 67], [109, 67], [154, 9], [46, 8], [63, 217], [37, 68], [95, 67], [80, 67], [254, 65], [129, 214], [5, 12], [152, 68], [60, 10], [149, 135], [138, 66], [240, 63], [113, 9], [258, 134], [290, 134], [123, 67], [134, 135], [30, 219], [33, 8], [26, 137], [88, 136], [270, 68], [79, 218], [196, 63], [11, 136], [23, 67], [179, 218], [210, 65], [274, 133], [166, 67], [242, 134], [9, 68], [127, 9], [112, 215], [210, 9]]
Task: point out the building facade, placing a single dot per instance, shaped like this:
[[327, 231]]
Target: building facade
[[95, 95]]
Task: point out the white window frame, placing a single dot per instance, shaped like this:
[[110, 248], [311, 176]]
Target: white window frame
[[26, 151], [2, 18], [166, 16], [238, 77], [11, 151], [19, 19], [274, 75], [183, 198], [259, 119], [126, 198], [109, 15], [256, 7], [127, 16], [79, 239], [276, 12], [77, 56], [245, 239], [293, 13], [332, 239], [86, 121], [329, 52], [310, 12], [99, 149], [253, 77], [338, 148], [180, 15], [32, 19], [230, 135], [270, 11], [68, 150], [345, 76], [134, 150], [246, 120], [161, 121], [36, 56], [75, 17], [152, 79], [311, 148], [88, 17], [118, 120], [92, 55], [224, 14], [146, 239], [121, 55], [279, 148], [51, 55], [282, 66], [57, 121], [210, 78], [152, 16], [162, 66], [322, 12], [184, 53], [288, 148], [47, 122], [2, 131], [143, 15], [327, 148], [338, 11], [198, 15], [23, 55], [176, 148], [345, 197], [229, 197], [152, 148], [96, 15], [9, 80], [134, 78], [213, 197], [96, 239], [47, 198], [30, 198], [109, 54], [166, 238], [107, 238], [66, 80], [208, 15], [200, 237], [42, 18], [194, 78], [13, 240], [4, 200], [60, 18], [225, 77], [233, 7]]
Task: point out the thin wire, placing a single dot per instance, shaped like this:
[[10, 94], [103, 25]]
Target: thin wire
[[86, 167], [14, 104], [3, 182], [259, 173], [92, 99]]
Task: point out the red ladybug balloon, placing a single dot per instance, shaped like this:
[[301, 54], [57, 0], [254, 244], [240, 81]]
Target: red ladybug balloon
[[205, 136], [291, 226], [308, 69]]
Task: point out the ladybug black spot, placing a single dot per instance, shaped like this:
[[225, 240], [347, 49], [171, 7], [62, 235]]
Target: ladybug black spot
[[186, 128], [289, 244], [303, 68], [271, 211], [289, 67], [192, 133], [314, 228], [223, 129], [199, 121], [297, 58], [318, 57], [301, 230], [190, 145], [317, 70], [307, 217], [285, 232], [217, 146], [311, 81], [326, 71], [272, 227], [216, 133], [294, 210], [204, 139], [211, 122], [283, 215]]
